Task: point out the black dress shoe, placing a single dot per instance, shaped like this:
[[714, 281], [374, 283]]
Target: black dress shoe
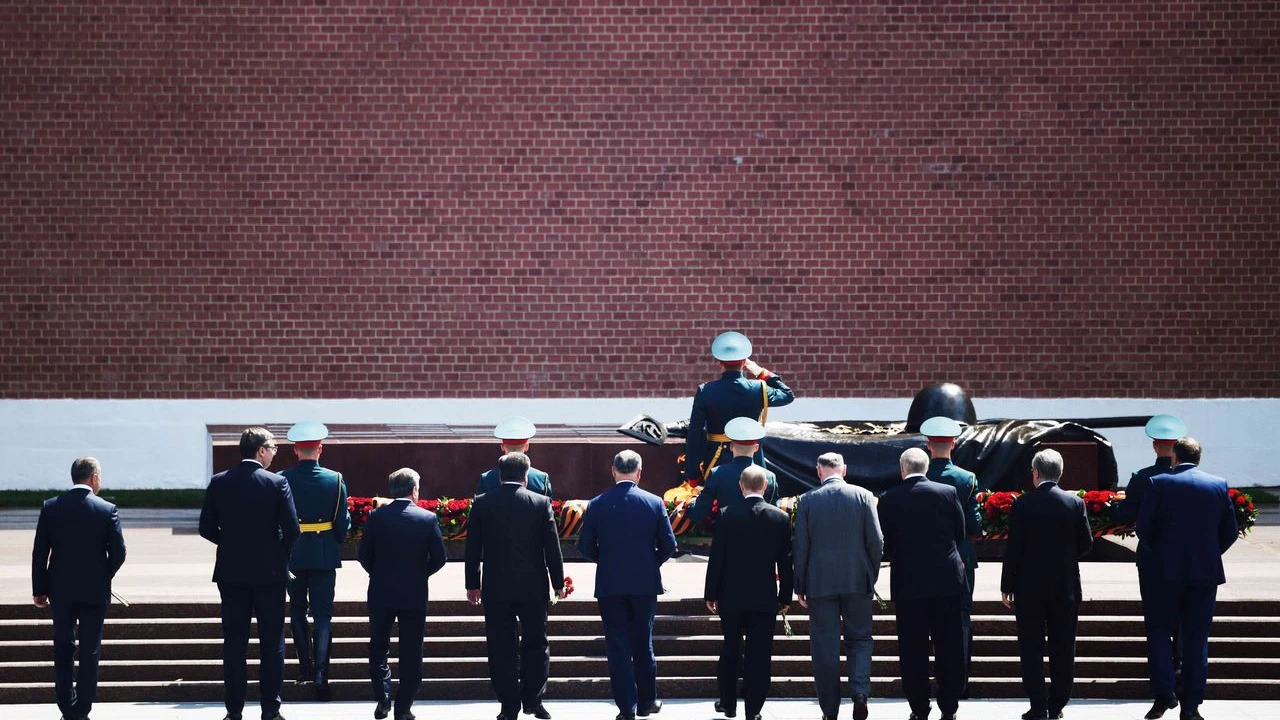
[[538, 711], [651, 709], [860, 709], [726, 711], [1034, 714], [1193, 715], [625, 716], [952, 716], [1160, 706], [383, 708]]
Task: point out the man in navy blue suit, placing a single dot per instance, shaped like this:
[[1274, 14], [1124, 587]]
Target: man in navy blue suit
[[1164, 431], [401, 548], [513, 563], [923, 526], [249, 514], [627, 533], [78, 549], [1188, 521]]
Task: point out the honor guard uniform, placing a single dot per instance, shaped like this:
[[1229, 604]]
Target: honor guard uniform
[[719, 401], [942, 433], [1164, 431], [321, 501], [744, 434], [514, 434]]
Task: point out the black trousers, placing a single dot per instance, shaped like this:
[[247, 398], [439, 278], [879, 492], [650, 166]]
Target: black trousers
[[756, 660], [312, 590], [519, 657], [72, 621], [1054, 618], [240, 603], [412, 628], [938, 619]]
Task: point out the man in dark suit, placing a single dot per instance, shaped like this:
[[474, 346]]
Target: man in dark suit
[[513, 435], [78, 549], [320, 497], [1048, 534], [751, 547], [627, 533], [923, 526], [1189, 522], [401, 548], [838, 547], [512, 533], [249, 514]]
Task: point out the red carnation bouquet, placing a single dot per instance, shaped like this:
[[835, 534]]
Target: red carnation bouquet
[[1100, 506], [358, 509], [568, 590], [1246, 513], [996, 508], [452, 512]]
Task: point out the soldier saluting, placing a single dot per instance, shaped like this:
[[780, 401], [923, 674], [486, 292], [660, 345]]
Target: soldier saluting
[[719, 401]]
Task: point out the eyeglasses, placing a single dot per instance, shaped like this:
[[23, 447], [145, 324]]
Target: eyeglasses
[[272, 448]]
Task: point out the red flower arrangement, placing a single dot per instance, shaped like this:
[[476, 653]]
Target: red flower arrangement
[[1246, 512], [996, 507], [568, 590], [453, 514], [1099, 505], [358, 508]]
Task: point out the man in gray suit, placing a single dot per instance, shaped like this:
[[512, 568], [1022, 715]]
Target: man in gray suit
[[837, 550]]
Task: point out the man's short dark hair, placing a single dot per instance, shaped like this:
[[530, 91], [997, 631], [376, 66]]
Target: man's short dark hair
[[252, 439], [513, 467], [402, 482], [753, 479], [1187, 450], [83, 469], [627, 462]]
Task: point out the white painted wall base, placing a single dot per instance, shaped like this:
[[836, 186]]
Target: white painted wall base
[[164, 444]]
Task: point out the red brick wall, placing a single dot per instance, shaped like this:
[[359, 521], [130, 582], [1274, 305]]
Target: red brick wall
[[554, 199]]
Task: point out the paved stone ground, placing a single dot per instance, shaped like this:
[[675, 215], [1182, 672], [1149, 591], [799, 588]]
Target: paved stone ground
[[671, 710]]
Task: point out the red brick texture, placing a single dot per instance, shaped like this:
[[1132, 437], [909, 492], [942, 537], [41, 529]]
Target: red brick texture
[[559, 199]]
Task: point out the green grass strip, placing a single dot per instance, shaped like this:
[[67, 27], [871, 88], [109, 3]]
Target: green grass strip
[[122, 498]]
